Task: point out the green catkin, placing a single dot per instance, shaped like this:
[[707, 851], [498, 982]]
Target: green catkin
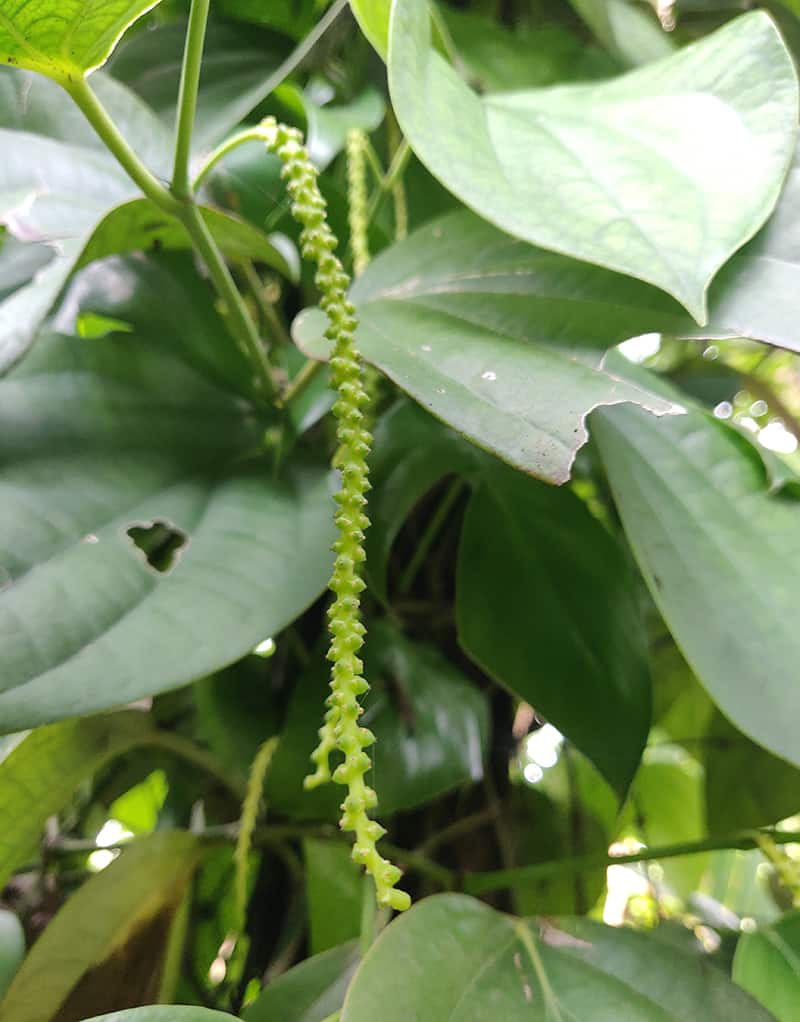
[[247, 824], [357, 200], [341, 729]]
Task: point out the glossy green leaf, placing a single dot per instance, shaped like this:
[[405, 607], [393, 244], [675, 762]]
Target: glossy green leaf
[[767, 788], [717, 552], [334, 893], [626, 173], [460, 317], [46, 768], [116, 915], [431, 726], [546, 604], [470, 963], [132, 431], [310, 992], [12, 948], [65, 39], [767, 964]]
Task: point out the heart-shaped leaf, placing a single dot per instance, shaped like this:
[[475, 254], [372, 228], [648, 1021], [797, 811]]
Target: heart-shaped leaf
[[625, 173], [469, 962], [117, 440], [65, 39], [718, 552]]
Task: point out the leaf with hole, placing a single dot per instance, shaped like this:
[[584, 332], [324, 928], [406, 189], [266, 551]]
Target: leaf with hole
[[134, 430], [625, 173]]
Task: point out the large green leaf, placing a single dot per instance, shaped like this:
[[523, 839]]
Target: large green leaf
[[626, 173], [310, 992], [120, 915], [12, 948], [373, 17], [489, 336], [64, 39], [431, 726], [334, 894], [546, 604], [43, 771], [718, 552], [767, 964], [626, 29], [131, 430], [454, 958]]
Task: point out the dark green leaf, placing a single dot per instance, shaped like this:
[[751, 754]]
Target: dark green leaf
[[546, 604], [46, 768], [767, 964], [471, 963], [717, 552], [431, 727], [334, 893], [561, 168], [310, 992], [117, 920]]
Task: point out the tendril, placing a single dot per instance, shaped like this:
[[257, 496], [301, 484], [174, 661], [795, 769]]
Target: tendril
[[341, 730]]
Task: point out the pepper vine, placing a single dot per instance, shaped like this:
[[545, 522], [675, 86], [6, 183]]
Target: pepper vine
[[341, 730]]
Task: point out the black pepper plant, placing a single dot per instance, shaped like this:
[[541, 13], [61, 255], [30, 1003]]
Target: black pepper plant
[[426, 371]]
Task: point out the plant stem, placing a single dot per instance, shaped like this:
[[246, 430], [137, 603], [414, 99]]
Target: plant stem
[[438, 519], [226, 288], [482, 883], [392, 176], [300, 381], [255, 134], [187, 95], [97, 115]]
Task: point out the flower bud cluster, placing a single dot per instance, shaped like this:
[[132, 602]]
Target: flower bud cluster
[[341, 730]]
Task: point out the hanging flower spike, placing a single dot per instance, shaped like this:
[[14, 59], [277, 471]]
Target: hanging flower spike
[[341, 729]]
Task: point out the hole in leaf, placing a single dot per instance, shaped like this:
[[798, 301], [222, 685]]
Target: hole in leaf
[[159, 541]]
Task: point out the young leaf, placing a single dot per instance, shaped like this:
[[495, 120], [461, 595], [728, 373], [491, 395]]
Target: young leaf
[[767, 965], [65, 39], [46, 768], [626, 173], [717, 551], [469, 962], [117, 921], [546, 604]]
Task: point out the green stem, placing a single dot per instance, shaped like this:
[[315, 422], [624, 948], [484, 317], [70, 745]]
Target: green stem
[[187, 95], [226, 288], [255, 134], [300, 381], [97, 115], [393, 175], [431, 532], [482, 883]]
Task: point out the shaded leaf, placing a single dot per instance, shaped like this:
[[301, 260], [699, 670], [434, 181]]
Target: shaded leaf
[[310, 992], [546, 604], [621, 173], [717, 552], [12, 948], [117, 921], [431, 726], [46, 768], [334, 893], [469, 962], [627, 30]]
